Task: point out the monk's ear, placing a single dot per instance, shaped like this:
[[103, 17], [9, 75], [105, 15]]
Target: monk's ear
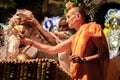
[[78, 16]]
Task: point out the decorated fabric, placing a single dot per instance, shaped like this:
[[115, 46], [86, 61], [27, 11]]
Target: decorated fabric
[[80, 40]]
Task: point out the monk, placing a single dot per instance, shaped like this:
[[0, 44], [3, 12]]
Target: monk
[[90, 54]]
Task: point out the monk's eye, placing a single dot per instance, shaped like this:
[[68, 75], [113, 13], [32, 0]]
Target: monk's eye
[[68, 17]]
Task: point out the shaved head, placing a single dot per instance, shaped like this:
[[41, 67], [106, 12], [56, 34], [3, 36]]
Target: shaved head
[[77, 10]]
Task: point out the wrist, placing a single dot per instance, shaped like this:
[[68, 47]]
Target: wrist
[[31, 42], [83, 59]]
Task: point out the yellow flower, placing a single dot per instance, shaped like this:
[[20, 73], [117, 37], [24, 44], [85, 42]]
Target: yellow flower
[[107, 23], [106, 30], [113, 15], [19, 28]]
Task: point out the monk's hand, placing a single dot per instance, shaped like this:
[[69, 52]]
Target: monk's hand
[[76, 59], [29, 20]]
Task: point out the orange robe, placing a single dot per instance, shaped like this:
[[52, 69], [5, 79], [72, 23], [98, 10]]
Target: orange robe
[[83, 46]]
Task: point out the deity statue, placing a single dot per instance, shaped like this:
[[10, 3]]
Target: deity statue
[[112, 31]]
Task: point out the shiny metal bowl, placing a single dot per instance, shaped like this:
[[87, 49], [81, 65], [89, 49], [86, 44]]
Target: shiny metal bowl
[[22, 57]]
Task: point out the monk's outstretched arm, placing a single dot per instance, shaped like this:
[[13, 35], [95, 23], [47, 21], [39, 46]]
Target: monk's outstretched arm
[[63, 46]]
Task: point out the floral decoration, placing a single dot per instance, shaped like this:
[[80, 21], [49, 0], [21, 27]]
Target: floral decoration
[[88, 6], [111, 13], [72, 3], [69, 5]]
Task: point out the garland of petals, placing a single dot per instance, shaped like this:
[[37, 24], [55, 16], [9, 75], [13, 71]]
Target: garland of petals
[[35, 69]]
